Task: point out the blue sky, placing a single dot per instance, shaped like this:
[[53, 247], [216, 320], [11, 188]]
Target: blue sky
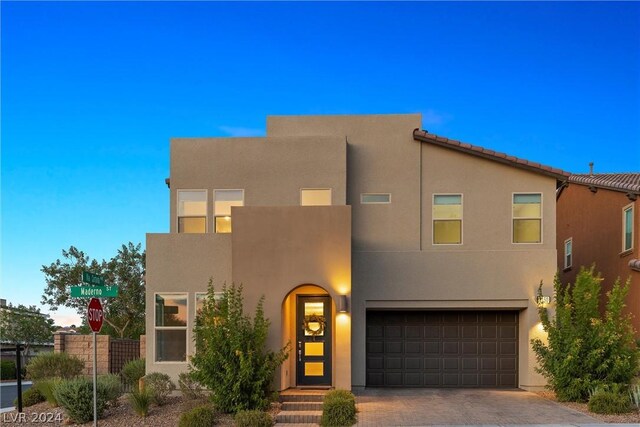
[[92, 92]]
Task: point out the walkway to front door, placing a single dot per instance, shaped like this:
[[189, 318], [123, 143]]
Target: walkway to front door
[[423, 407]]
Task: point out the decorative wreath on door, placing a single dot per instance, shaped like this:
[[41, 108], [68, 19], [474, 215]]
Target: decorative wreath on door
[[314, 325]]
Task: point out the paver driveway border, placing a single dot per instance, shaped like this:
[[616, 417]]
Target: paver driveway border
[[438, 407]]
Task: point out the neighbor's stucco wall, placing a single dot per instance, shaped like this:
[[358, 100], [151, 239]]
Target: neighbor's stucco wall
[[594, 223], [277, 249]]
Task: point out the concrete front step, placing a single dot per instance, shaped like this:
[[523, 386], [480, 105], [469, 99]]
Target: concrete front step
[[299, 417], [302, 406], [296, 425], [301, 397]]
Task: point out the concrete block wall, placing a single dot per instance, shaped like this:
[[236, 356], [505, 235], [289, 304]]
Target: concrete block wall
[[81, 346], [143, 346]]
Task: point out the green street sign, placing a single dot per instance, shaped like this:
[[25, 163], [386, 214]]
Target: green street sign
[[92, 279], [94, 291]]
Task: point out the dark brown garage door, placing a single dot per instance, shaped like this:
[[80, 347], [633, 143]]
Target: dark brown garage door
[[442, 349]]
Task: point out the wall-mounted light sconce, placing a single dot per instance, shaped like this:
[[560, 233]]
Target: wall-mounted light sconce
[[343, 304], [543, 299]]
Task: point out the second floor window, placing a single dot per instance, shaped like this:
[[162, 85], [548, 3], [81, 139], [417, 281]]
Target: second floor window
[[627, 228], [315, 197], [192, 211], [223, 200], [568, 253], [447, 219], [527, 218]]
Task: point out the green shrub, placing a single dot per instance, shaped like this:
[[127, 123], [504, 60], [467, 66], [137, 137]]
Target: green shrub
[[232, 358], [160, 386], [112, 387], [253, 418], [30, 398], [609, 402], [76, 397], [8, 370], [140, 401], [132, 371], [338, 409], [50, 365], [586, 350], [634, 395], [189, 387], [201, 416], [47, 388]]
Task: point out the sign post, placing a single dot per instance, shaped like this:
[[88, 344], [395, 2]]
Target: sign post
[[95, 316]]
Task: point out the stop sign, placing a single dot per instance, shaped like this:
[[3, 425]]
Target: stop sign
[[95, 314]]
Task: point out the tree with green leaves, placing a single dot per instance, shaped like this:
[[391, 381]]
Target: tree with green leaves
[[585, 349], [124, 316], [25, 325], [232, 359]]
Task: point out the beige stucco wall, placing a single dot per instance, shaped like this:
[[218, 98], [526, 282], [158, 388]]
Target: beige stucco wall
[[182, 263], [276, 250], [271, 171]]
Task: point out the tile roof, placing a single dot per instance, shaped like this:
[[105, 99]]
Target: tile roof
[[628, 182], [424, 136], [635, 264]]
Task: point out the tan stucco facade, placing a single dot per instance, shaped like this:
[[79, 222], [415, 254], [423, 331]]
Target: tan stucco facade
[[380, 255]]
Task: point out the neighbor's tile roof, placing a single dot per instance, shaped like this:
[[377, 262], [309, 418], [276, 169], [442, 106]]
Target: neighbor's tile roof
[[612, 181], [424, 136]]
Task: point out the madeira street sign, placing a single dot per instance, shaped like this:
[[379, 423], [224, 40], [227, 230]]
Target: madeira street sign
[[94, 291], [92, 279]]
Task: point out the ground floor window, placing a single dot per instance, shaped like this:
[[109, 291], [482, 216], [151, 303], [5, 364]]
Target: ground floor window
[[171, 327]]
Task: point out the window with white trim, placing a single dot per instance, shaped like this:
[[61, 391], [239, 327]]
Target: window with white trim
[[447, 219], [627, 228], [192, 211], [223, 200], [527, 218], [315, 197], [568, 253], [375, 198], [171, 327]]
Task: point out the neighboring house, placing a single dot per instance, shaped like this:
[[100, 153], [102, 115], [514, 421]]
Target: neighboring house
[[33, 349], [422, 255], [599, 222]]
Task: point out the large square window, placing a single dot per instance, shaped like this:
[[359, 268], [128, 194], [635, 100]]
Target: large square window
[[447, 219], [527, 218], [223, 200], [192, 211]]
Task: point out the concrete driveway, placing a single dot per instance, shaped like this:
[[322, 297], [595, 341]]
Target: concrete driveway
[[423, 407]]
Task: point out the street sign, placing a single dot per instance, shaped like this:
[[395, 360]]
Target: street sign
[[94, 291], [92, 279], [95, 315]]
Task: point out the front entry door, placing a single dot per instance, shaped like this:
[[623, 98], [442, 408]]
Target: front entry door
[[313, 340]]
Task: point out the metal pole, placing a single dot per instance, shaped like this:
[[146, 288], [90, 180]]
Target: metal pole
[[19, 375], [95, 381]]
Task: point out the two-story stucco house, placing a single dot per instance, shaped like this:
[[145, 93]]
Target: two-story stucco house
[[388, 256]]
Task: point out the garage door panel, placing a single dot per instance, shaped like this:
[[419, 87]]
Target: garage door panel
[[442, 349]]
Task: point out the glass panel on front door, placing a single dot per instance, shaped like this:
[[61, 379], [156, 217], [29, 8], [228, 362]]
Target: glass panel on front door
[[313, 340]]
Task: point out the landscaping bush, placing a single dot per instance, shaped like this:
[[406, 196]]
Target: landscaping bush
[[47, 388], [338, 409], [609, 402], [76, 397], [201, 416], [112, 387], [50, 365], [253, 418], [140, 401], [232, 359], [30, 398], [160, 386], [8, 370], [132, 371], [189, 387], [586, 350]]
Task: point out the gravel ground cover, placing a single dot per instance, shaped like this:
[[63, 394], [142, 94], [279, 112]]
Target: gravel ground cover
[[631, 417], [117, 416]]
